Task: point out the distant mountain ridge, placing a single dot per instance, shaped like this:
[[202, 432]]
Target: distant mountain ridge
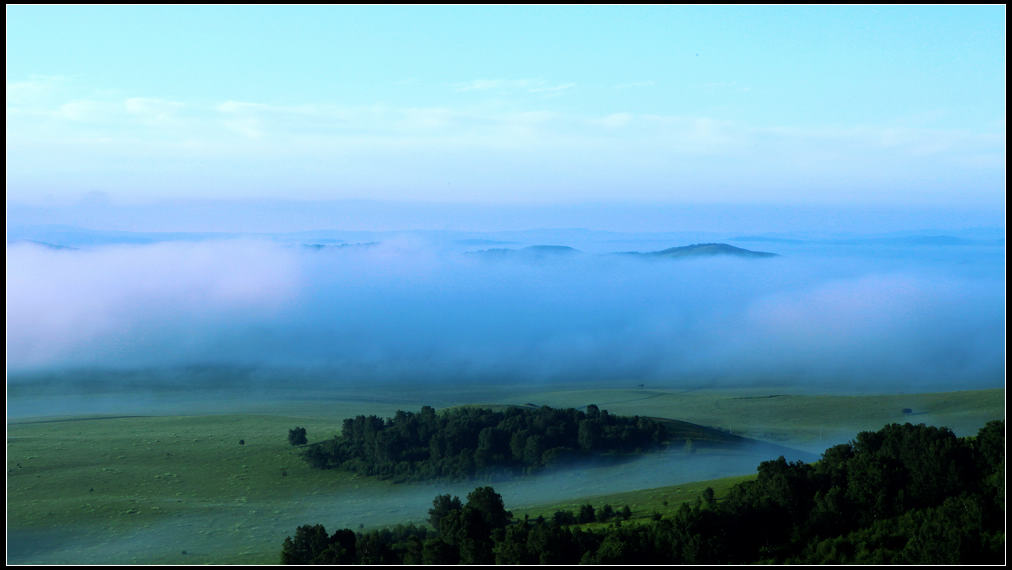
[[703, 250], [554, 251]]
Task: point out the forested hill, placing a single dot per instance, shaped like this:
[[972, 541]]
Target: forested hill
[[545, 252], [463, 442]]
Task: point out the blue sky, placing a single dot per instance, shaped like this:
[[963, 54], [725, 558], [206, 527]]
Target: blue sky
[[796, 105]]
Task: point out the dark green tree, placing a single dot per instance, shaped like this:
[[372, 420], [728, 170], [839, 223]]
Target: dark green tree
[[442, 505], [297, 436], [309, 542], [437, 551], [490, 505], [563, 518]]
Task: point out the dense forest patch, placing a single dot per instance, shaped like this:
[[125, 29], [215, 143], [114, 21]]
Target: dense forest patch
[[906, 494], [467, 441]]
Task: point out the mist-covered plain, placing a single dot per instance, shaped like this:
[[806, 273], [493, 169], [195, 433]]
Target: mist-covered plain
[[908, 311]]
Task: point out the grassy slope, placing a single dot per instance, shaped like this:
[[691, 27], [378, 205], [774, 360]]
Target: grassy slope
[[96, 486], [642, 503]]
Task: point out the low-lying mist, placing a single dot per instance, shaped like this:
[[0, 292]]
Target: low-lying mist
[[414, 309], [200, 537]]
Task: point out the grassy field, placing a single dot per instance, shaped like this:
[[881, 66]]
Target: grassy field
[[112, 477], [807, 421], [181, 489]]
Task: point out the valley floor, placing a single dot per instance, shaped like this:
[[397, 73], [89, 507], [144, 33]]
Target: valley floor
[[164, 479]]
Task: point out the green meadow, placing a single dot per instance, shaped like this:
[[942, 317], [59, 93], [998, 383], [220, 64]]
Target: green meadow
[[174, 488]]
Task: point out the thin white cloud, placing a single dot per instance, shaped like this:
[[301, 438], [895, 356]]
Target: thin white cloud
[[326, 125], [388, 146], [153, 111], [322, 125], [615, 120], [83, 110], [551, 88], [30, 91]]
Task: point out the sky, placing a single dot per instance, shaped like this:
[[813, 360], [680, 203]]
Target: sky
[[881, 106]]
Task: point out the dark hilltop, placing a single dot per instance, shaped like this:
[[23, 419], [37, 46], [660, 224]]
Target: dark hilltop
[[703, 250]]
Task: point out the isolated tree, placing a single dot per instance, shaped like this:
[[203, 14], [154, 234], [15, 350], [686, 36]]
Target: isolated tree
[[297, 436], [489, 503], [708, 497]]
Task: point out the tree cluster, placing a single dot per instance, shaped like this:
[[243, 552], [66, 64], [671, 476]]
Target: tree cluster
[[902, 495], [464, 442]]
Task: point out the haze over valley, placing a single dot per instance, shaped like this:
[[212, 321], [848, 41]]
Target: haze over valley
[[433, 307]]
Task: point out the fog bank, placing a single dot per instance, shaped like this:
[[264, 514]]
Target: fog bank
[[414, 308]]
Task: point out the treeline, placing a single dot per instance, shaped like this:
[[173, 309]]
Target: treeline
[[902, 495], [464, 442]]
